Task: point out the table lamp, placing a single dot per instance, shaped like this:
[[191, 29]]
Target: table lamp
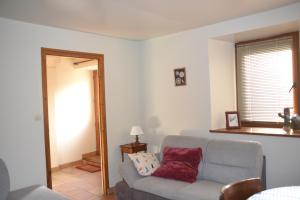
[[136, 130]]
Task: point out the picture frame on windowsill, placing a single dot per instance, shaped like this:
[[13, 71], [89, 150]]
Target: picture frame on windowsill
[[232, 120]]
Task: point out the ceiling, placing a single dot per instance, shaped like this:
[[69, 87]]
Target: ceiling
[[262, 32], [132, 19]]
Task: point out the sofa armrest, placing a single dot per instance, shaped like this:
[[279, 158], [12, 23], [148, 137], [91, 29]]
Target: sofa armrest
[[158, 157], [128, 172], [4, 180], [35, 192]]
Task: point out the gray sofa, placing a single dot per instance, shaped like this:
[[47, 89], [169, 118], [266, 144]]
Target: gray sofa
[[35, 192], [224, 161]]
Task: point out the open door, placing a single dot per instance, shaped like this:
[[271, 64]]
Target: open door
[[100, 114]]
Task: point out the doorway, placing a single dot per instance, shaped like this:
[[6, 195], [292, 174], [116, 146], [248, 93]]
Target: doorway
[[79, 59]]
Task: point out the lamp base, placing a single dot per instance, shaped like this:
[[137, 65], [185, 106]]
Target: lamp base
[[137, 139]]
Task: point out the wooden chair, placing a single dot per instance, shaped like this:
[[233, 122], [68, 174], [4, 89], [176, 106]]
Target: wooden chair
[[241, 190]]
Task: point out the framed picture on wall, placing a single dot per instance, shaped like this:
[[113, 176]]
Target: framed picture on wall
[[232, 120], [180, 76]]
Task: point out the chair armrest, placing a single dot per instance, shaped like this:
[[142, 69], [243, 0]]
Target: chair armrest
[[128, 172]]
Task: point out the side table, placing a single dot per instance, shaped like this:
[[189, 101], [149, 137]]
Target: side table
[[132, 148]]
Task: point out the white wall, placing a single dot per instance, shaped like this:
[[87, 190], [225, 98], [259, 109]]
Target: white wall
[[51, 86], [21, 129], [166, 109], [222, 80], [71, 103], [169, 109]]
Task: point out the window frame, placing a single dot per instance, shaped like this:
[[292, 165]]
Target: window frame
[[296, 78]]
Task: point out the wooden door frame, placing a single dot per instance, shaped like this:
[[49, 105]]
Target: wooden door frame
[[97, 110], [102, 113]]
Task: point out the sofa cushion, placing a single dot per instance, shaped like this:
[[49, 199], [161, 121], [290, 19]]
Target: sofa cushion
[[4, 181], [191, 156], [145, 163], [177, 170], [180, 164], [187, 142], [228, 161], [200, 190], [166, 188], [35, 192]]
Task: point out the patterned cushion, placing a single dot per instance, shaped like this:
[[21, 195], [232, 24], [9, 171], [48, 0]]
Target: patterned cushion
[[145, 163]]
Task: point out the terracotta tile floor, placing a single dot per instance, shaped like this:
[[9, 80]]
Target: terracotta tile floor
[[77, 184]]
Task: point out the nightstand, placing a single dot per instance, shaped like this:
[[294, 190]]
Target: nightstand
[[132, 148]]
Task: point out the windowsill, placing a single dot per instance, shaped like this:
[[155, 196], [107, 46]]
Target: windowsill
[[258, 131]]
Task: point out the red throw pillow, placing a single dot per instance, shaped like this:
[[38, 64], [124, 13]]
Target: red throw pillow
[[177, 170], [189, 155], [180, 164]]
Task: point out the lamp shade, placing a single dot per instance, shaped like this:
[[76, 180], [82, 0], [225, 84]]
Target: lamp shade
[[136, 130]]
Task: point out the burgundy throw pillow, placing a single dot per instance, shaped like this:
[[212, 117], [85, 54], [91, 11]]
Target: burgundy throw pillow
[[177, 170], [180, 164], [189, 155]]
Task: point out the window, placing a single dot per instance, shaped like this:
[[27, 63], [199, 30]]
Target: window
[[266, 70]]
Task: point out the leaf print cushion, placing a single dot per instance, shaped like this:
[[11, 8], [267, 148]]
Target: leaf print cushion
[[145, 163]]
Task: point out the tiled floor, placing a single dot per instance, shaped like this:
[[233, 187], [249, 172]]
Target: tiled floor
[[77, 184]]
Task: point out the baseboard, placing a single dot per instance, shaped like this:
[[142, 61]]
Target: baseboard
[[55, 169], [89, 154], [66, 165], [74, 163]]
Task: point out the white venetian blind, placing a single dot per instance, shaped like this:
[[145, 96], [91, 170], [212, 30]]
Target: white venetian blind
[[264, 77]]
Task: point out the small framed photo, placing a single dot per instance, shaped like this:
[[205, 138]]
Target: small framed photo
[[232, 120], [180, 76]]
